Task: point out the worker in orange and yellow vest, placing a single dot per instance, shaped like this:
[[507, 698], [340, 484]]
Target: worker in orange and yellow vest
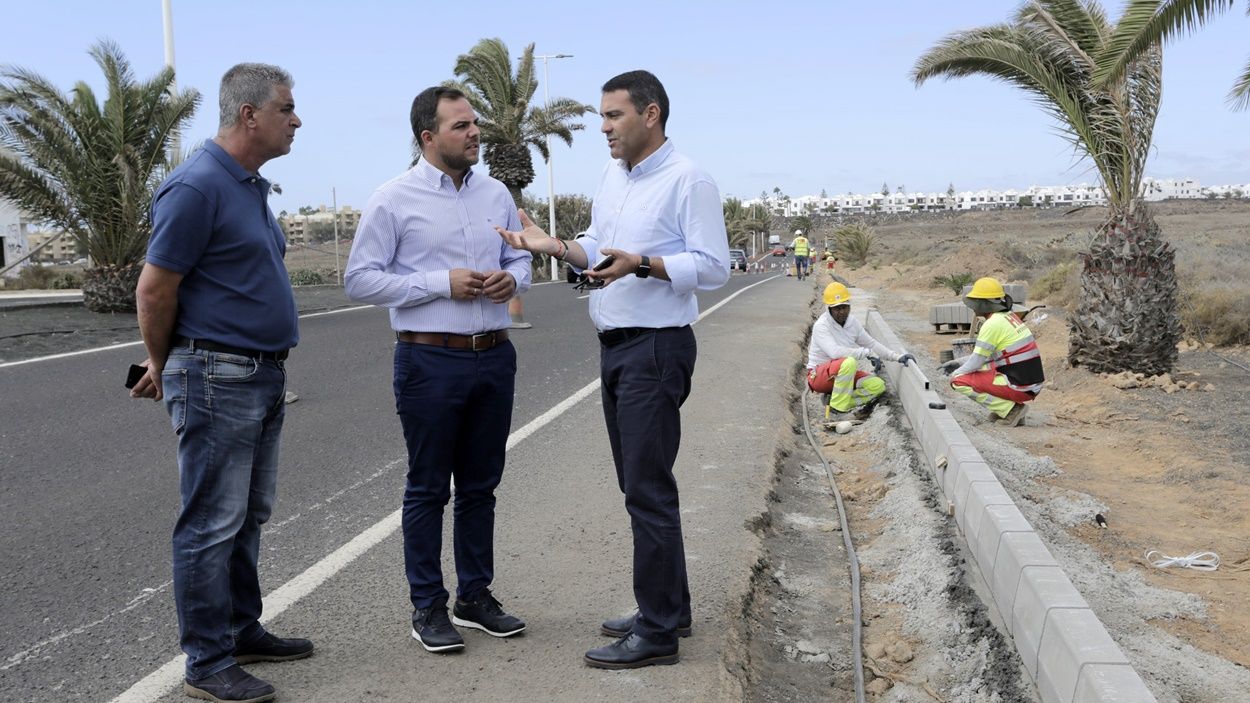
[[839, 347], [1004, 370]]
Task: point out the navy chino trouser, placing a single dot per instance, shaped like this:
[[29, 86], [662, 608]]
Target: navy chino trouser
[[646, 376], [455, 406]]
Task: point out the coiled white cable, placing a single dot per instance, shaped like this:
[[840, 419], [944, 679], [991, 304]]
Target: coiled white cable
[[1198, 561]]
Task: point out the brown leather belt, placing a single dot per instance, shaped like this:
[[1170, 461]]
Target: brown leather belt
[[472, 342]]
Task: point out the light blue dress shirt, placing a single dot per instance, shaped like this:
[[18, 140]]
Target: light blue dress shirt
[[414, 230], [665, 207]]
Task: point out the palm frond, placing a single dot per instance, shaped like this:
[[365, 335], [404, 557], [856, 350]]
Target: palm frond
[[1239, 96], [1147, 23], [502, 99]]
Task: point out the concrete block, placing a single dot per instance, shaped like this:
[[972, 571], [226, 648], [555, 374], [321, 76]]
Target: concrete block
[[971, 511], [958, 456], [999, 520], [1042, 589], [1016, 551], [1072, 639], [1111, 683], [969, 472]]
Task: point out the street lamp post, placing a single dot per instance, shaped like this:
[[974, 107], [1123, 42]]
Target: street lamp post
[[551, 176]]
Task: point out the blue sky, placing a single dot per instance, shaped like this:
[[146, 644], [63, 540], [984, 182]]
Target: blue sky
[[798, 95]]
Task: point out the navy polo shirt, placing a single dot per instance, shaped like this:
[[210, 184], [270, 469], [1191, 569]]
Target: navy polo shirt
[[211, 222]]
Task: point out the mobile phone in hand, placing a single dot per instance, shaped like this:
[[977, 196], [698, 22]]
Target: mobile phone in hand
[[135, 374], [605, 262]]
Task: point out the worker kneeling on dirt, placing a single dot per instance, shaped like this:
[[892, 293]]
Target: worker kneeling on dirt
[[1004, 370], [840, 346]]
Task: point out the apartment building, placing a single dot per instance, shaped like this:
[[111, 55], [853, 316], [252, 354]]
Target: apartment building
[[300, 228], [59, 251]]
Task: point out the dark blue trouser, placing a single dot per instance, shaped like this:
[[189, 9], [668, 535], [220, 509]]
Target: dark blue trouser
[[645, 381], [456, 409]]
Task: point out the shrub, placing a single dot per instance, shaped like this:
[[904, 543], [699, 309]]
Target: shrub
[[66, 281], [34, 277], [854, 243], [954, 281], [1217, 315], [1060, 286], [307, 277]]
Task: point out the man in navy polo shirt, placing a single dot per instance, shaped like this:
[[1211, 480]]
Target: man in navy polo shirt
[[218, 317]]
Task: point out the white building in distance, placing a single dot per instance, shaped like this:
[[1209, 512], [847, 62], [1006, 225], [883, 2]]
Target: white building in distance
[[1069, 196]]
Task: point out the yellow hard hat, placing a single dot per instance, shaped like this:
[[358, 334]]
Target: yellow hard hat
[[837, 294], [986, 289]]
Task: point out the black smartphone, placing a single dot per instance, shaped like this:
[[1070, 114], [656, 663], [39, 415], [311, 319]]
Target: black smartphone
[[605, 262], [135, 373]]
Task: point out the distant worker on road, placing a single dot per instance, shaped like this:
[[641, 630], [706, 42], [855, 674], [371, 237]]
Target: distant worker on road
[[1004, 370], [839, 346], [802, 252]]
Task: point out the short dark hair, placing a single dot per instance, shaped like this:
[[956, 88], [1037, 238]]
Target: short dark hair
[[424, 114], [644, 88]]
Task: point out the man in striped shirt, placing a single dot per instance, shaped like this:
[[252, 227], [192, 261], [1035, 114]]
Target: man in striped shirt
[[426, 249]]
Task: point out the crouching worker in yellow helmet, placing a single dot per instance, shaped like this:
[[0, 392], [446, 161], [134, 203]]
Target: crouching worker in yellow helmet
[[1004, 370], [840, 355]]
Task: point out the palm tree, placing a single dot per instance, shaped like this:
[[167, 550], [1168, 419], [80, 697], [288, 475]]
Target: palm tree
[[1126, 316], [510, 125], [91, 169], [1147, 23]]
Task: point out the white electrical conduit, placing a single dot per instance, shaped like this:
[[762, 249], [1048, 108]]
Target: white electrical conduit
[[857, 633]]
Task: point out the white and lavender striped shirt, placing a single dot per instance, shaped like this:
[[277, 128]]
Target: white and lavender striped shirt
[[665, 207], [414, 230]]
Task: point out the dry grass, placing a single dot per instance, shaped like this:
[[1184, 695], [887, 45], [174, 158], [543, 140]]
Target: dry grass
[[1211, 239]]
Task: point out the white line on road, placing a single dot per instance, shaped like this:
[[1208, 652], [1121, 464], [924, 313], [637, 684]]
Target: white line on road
[[158, 683], [134, 344]]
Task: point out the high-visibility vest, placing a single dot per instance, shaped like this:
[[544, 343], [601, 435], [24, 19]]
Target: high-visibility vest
[[800, 246], [1012, 351]]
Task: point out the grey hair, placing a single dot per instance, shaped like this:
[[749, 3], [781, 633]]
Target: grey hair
[[249, 84]]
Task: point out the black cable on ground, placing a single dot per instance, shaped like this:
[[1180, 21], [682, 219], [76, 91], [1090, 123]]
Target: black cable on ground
[[857, 628]]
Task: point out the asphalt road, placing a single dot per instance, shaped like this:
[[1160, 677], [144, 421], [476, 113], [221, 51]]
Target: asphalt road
[[88, 485]]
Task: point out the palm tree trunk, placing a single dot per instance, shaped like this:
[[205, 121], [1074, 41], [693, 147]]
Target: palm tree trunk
[[111, 288], [1126, 317]]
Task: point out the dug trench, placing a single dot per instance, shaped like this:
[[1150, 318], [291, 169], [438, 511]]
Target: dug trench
[[927, 635]]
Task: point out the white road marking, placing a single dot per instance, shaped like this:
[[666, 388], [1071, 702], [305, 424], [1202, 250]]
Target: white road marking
[[160, 682], [135, 344]]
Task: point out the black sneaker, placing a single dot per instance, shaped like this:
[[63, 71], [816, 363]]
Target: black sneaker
[[271, 648], [433, 630], [484, 613], [232, 685]]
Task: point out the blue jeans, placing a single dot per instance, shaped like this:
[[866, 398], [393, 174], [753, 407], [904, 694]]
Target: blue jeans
[[456, 408], [227, 411]]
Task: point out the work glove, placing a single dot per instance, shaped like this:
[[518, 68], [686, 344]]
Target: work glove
[[947, 367], [876, 364], [902, 360]]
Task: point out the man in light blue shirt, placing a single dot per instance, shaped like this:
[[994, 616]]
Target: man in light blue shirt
[[426, 249], [658, 231]]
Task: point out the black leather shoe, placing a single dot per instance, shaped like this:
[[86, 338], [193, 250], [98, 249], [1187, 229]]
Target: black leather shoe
[[433, 630], [485, 613], [271, 648], [232, 684], [619, 627], [631, 652]]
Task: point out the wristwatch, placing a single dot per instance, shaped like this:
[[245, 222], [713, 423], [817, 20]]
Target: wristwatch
[[644, 268]]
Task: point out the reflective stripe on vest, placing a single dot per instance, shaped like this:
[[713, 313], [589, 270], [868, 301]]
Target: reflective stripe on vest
[[1014, 351]]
